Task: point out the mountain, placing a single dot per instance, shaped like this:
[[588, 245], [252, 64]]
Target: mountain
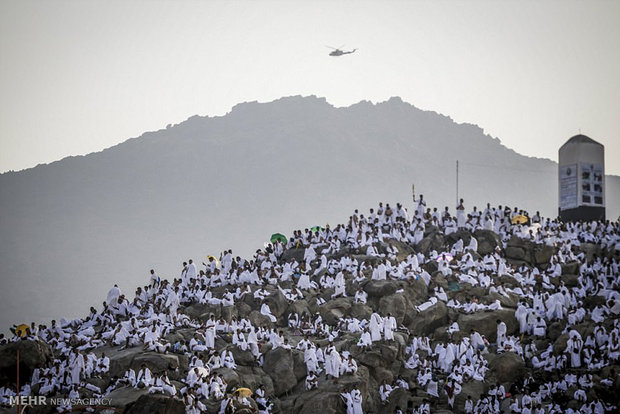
[[73, 228]]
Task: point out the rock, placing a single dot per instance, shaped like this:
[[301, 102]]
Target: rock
[[434, 241], [277, 303], [202, 311], [298, 307], [370, 358], [380, 373], [515, 253], [243, 309], [242, 357], [120, 359], [555, 330], [157, 363], [570, 280], [571, 268], [507, 367], [32, 355], [258, 319], [319, 401], [231, 377], [122, 397], [488, 241], [398, 398], [542, 254], [460, 234], [397, 306], [404, 249], [293, 255], [425, 323], [473, 388], [278, 364], [333, 310], [591, 250], [360, 311], [228, 312], [252, 377], [156, 404], [486, 323], [380, 288]]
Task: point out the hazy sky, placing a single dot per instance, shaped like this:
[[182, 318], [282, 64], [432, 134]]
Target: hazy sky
[[80, 76]]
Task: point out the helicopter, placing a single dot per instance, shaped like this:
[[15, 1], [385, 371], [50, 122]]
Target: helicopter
[[338, 52]]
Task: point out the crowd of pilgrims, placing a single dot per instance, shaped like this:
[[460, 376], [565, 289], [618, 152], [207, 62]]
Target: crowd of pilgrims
[[443, 368]]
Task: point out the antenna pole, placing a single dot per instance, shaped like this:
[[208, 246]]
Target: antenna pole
[[457, 182]]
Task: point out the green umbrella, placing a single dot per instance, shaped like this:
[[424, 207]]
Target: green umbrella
[[316, 228], [278, 236]]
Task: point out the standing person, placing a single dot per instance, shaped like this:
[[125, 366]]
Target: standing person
[[356, 398], [501, 334], [461, 218], [389, 325], [155, 280], [77, 366]]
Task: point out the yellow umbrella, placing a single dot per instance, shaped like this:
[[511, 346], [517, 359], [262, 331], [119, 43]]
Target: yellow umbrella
[[20, 330], [520, 219], [243, 392], [217, 262]]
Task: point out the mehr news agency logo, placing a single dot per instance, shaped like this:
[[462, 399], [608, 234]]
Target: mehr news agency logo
[[39, 400]]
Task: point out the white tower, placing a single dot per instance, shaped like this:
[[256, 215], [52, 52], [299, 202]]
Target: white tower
[[581, 179]]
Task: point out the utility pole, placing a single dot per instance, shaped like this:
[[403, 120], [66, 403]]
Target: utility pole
[[457, 182]]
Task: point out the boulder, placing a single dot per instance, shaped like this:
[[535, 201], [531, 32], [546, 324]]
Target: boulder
[[156, 404], [202, 311], [396, 305], [157, 363], [506, 368], [120, 359], [486, 323], [228, 312], [258, 319], [252, 377], [571, 268], [277, 303], [231, 377], [515, 253], [334, 310], [279, 365], [125, 396], [293, 255], [425, 322], [360, 311], [555, 330], [32, 355], [380, 288], [324, 401], [473, 388], [488, 241], [242, 357], [460, 234], [542, 254]]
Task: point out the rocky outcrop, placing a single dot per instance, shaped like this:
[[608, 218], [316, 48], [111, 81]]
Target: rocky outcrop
[[279, 365], [486, 323], [506, 368], [155, 404], [32, 354], [522, 250], [425, 322]]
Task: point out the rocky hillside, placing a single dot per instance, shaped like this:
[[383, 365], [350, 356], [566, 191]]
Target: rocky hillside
[[430, 296]]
